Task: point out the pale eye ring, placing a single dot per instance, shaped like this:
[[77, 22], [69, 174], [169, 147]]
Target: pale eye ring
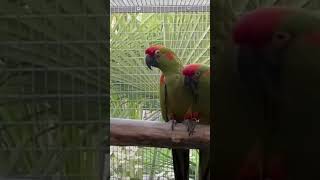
[[198, 73], [157, 52]]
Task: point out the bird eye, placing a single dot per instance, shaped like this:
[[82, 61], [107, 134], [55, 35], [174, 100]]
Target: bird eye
[[198, 73], [280, 39], [157, 52]]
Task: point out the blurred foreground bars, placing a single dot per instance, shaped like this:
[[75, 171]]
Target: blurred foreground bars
[[54, 95]]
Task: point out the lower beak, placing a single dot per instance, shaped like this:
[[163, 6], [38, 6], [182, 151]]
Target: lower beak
[[148, 61]]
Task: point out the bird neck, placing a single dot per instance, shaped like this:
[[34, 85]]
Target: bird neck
[[172, 68]]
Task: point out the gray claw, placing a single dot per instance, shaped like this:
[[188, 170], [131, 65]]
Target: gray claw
[[173, 124], [191, 124]]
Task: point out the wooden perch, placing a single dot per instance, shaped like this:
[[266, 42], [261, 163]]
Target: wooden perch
[[157, 134]]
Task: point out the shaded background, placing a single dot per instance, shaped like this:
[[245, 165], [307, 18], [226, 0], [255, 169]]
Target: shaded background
[[54, 89]]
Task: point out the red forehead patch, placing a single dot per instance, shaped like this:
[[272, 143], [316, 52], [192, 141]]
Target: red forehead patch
[[152, 49], [190, 69], [257, 27]]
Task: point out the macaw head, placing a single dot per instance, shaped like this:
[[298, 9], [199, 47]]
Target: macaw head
[[160, 57], [193, 73]]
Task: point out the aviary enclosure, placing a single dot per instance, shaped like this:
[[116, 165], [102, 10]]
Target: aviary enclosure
[[182, 25]]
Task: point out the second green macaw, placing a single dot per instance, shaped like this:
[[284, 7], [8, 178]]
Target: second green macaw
[[197, 81], [267, 98]]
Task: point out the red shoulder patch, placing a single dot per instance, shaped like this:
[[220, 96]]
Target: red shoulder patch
[[190, 69], [170, 56], [162, 79], [207, 73]]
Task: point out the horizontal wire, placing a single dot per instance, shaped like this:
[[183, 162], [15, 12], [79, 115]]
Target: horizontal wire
[[53, 123], [80, 148], [23, 69], [37, 96], [51, 15], [117, 3], [19, 42]]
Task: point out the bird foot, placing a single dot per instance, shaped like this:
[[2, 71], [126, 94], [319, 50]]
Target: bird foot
[[173, 121], [191, 124], [191, 121], [173, 124]]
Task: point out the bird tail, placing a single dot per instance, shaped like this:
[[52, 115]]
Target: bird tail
[[181, 163], [204, 164]]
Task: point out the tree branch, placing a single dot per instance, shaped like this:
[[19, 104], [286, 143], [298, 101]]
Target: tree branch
[[157, 134]]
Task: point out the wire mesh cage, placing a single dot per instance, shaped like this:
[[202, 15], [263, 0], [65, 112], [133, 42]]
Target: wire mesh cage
[[183, 26], [53, 96]]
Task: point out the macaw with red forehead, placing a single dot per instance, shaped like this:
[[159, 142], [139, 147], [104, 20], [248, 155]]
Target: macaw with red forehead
[[181, 100], [197, 81], [175, 99], [271, 83]]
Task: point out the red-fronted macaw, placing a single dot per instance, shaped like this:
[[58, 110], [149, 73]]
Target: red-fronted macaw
[[197, 80], [175, 99], [267, 123]]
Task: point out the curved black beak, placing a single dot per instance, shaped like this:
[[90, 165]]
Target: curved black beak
[[253, 67], [187, 81], [192, 84], [151, 61], [247, 62]]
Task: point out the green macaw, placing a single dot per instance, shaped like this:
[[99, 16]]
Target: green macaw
[[175, 99], [267, 97], [197, 80]]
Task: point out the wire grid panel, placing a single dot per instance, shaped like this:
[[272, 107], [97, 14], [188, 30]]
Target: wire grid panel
[[144, 163], [135, 89], [53, 83]]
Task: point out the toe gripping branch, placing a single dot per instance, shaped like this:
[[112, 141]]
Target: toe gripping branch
[[172, 118], [191, 119]]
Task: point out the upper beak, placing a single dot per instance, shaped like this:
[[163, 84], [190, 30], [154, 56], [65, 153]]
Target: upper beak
[[149, 61], [253, 67], [247, 62], [190, 83], [187, 81]]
